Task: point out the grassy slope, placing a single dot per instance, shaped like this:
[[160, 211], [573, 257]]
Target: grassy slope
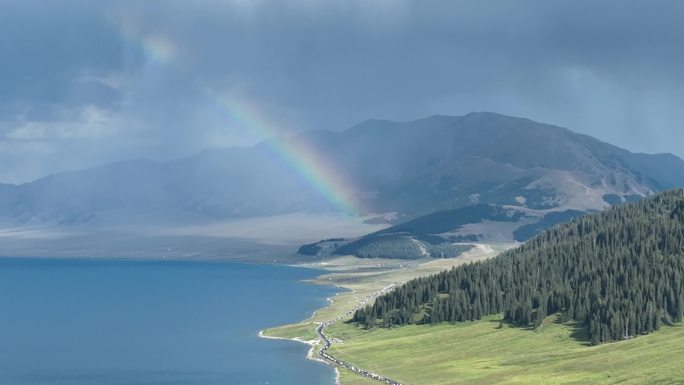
[[480, 353]]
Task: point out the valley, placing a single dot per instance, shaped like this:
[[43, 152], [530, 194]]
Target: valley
[[436, 185]]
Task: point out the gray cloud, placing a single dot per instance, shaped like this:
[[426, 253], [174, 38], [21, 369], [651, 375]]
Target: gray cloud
[[89, 82]]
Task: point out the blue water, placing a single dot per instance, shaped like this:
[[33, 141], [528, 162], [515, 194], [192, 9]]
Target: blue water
[[138, 322]]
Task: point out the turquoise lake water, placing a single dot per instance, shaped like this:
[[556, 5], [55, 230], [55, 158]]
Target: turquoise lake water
[[153, 322]]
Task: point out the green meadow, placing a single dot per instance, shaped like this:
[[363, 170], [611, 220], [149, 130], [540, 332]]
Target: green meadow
[[482, 353]]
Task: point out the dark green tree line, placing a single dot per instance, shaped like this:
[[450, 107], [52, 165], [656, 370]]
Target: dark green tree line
[[618, 272]]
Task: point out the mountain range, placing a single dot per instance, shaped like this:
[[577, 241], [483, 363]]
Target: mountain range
[[410, 169]]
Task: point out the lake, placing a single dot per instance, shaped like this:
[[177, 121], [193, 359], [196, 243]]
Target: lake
[[153, 322]]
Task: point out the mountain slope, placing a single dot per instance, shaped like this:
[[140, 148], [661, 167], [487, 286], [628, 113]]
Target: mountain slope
[[490, 158], [619, 273], [214, 184], [445, 233], [433, 235], [417, 167]]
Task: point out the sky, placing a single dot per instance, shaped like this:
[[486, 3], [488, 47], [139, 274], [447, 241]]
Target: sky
[[84, 83]]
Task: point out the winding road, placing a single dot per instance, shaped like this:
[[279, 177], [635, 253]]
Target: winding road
[[320, 330]]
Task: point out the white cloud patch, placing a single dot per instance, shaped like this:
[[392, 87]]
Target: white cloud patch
[[87, 122], [113, 80]]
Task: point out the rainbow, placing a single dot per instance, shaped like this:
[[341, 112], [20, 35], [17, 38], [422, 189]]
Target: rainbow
[[324, 177], [305, 162]]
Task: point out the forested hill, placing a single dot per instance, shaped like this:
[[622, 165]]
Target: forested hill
[[618, 272]]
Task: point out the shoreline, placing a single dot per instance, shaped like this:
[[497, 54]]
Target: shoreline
[[310, 355], [325, 342], [312, 344], [358, 281]]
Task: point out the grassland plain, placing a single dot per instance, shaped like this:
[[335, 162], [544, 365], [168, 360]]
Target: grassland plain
[[482, 353]]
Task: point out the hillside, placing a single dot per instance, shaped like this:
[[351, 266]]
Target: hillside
[[618, 273], [437, 235], [415, 168], [446, 233]]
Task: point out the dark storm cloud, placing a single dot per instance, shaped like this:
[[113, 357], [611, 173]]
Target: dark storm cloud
[[88, 82]]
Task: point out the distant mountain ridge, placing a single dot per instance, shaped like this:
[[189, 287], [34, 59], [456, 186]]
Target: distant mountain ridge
[[415, 168]]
